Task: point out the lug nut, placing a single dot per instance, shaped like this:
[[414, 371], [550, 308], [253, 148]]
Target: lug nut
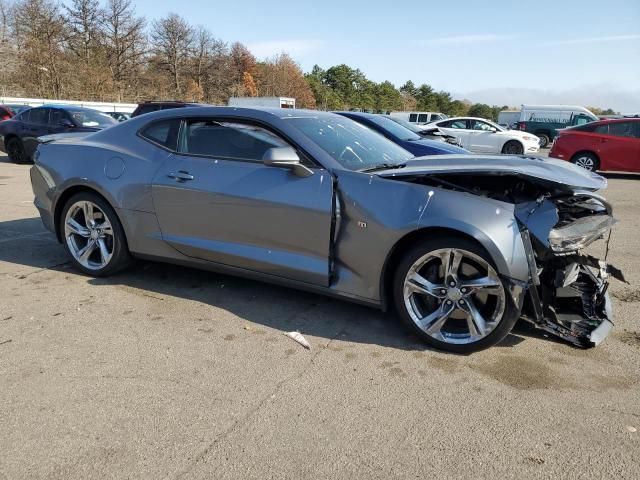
[[463, 290], [448, 302], [452, 284], [443, 291], [461, 302]]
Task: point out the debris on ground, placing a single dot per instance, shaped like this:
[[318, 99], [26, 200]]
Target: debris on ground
[[631, 429], [6, 341], [297, 336]]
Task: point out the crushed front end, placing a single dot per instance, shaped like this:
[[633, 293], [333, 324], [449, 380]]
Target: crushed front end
[[567, 295]]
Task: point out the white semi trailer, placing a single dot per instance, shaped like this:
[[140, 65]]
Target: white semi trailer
[[273, 102]]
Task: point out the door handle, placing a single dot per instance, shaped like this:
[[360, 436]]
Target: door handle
[[181, 176]]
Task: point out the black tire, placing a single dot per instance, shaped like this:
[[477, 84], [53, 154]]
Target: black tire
[[504, 324], [544, 139], [120, 256], [15, 151], [513, 147], [586, 160]]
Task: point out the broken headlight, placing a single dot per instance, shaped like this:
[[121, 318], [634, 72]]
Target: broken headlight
[[579, 233]]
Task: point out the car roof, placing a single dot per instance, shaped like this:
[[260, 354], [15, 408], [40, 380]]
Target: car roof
[[204, 111]]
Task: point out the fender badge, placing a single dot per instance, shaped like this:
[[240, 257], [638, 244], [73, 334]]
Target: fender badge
[[362, 224]]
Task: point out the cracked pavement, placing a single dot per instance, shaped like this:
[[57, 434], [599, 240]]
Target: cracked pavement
[[169, 372]]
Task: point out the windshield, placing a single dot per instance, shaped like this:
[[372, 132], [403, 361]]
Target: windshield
[[91, 118], [351, 144], [408, 125], [393, 128]]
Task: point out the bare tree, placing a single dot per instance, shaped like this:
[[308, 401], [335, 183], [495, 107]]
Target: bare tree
[[43, 39], [124, 44], [84, 19], [174, 41]]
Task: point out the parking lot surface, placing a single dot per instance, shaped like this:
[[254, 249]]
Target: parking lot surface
[[169, 372]]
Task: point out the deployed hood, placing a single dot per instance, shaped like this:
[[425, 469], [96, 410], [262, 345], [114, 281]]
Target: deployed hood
[[556, 173]]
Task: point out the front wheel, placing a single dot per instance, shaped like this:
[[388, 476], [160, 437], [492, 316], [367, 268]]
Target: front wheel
[[448, 292], [15, 151], [93, 235], [513, 147]]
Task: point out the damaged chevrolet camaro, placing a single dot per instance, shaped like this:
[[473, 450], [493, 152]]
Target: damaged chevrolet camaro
[[460, 246]]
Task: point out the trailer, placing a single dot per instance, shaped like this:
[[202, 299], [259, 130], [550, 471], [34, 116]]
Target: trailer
[[273, 102]]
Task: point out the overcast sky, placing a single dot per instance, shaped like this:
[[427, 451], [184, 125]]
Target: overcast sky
[[585, 52]]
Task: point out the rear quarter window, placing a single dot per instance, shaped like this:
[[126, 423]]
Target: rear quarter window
[[163, 133]]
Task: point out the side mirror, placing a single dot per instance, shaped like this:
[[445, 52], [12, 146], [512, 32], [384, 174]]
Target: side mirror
[[493, 129], [286, 157]]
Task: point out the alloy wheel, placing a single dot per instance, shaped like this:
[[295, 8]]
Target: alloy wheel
[[454, 296], [89, 235], [585, 162]]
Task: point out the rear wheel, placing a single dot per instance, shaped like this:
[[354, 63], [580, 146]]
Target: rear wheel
[[544, 139], [15, 151], [513, 147], [586, 160], [448, 292], [93, 236]]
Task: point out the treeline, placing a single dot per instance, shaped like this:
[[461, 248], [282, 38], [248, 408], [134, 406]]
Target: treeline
[[102, 50]]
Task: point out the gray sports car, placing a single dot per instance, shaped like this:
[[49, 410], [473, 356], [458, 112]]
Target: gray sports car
[[461, 246]]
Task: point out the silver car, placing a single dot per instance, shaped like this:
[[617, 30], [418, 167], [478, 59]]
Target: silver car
[[460, 246]]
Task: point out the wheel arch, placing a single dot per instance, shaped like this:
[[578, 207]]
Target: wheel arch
[[510, 140], [590, 152], [69, 192], [409, 240]]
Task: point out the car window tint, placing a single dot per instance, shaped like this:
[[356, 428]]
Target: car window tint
[[229, 140], [413, 117], [39, 116], [147, 109], [56, 117], [621, 129], [602, 129], [460, 124], [478, 125], [423, 117], [24, 116], [164, 133]]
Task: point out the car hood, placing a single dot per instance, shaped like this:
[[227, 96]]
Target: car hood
[[442, 146], [547, 171], [516, 133]]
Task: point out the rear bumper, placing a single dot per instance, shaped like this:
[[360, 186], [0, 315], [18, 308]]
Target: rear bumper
[[42, 200]]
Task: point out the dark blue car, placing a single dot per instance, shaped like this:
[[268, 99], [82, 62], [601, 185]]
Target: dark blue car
[[402, 136], [19, 135]]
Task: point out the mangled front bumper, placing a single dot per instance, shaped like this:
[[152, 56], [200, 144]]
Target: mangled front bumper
[[567, 294]]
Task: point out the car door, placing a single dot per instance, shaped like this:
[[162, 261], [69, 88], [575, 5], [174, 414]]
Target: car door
[[482, 138], [215, 200], [37, 126], [619, 147], [458, 128]]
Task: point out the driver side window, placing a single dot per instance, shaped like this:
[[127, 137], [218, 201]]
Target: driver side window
[[229, 140], [478, 125]]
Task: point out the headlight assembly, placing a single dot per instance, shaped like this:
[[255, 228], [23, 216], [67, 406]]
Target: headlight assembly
[[579, 233]]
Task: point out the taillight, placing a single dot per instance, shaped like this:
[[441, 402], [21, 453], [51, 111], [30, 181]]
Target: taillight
[[522, 126]]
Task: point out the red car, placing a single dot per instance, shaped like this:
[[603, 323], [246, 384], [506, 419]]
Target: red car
[[5, 113], [604, 145]]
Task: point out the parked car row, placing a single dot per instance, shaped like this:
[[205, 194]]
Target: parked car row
[[459, 245]]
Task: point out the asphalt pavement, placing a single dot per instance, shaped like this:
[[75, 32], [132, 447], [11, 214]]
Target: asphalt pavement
[[169, 372]]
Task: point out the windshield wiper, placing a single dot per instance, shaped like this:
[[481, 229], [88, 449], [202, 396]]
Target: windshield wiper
[[383, 166]]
